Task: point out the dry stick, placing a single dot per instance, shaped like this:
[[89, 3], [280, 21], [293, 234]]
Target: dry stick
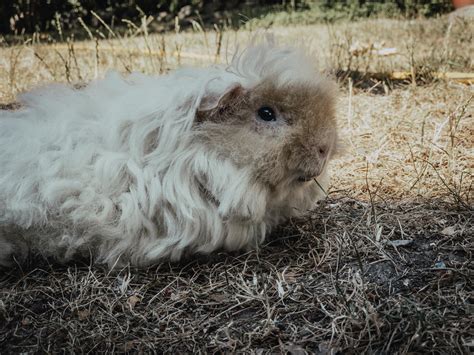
[[135, 27], [227, 48], [322, 189], [218, 42], [198, 27], [452, 192], [411, 50], [336, 281], [374, 216], [111, 32], [45, 65], [73, 54], [107, 27], [162, 54], [96, 48], [419, 174], [202, 28], [468, 193], [178, 52], [68, 60], [358, 256], [350, 54], [66, 65], [425, 166], [423, 129], [14, 62], [373, 211], [454, 123], [459, 192], [349, 108], [178, 46], [58, 26], [147, 44]]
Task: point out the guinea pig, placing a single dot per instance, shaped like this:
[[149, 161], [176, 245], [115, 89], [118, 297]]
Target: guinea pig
[[141, 169]]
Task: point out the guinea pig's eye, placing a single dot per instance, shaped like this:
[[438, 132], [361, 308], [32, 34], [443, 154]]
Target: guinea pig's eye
[[266, 113]]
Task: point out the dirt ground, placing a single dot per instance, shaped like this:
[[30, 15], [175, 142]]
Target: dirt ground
[[383, 265], [330, 283]]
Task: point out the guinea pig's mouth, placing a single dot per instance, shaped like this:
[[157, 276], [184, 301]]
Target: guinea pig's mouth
[[306, 178], [307, 175]]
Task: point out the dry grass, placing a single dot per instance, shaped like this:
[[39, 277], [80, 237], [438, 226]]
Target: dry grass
[[334, 282], [384, 265], [423, 46]]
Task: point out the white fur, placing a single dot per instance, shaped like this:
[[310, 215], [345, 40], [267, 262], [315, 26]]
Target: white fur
[[112, 170]]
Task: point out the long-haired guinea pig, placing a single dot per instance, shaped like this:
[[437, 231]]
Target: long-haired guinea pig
[[140, 169]]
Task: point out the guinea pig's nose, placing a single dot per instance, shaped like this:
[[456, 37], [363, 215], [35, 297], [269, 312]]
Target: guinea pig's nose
[[323, 150]]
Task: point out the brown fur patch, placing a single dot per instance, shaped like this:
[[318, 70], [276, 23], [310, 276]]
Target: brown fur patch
[[278, 150], [11, 106]]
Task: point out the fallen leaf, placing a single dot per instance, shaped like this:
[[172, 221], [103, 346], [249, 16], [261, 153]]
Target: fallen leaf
[[449, 231], [132, 301]]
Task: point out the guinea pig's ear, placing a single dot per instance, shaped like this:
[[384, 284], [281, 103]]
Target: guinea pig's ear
[[218, 104]]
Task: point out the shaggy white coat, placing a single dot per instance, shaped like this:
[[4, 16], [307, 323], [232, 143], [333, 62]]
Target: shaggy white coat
[[112, 170]]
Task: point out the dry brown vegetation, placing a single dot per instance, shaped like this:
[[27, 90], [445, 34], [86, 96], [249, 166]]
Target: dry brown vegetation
[[384, 265]]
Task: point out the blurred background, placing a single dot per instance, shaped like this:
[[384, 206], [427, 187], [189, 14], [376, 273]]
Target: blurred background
[[28, 16]]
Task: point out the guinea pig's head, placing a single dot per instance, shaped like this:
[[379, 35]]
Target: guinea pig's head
[[278, 120]]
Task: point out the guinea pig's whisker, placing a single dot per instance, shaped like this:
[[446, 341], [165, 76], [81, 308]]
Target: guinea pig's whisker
[[319, 185]]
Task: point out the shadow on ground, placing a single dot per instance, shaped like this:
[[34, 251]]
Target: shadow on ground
[[349, 278]]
